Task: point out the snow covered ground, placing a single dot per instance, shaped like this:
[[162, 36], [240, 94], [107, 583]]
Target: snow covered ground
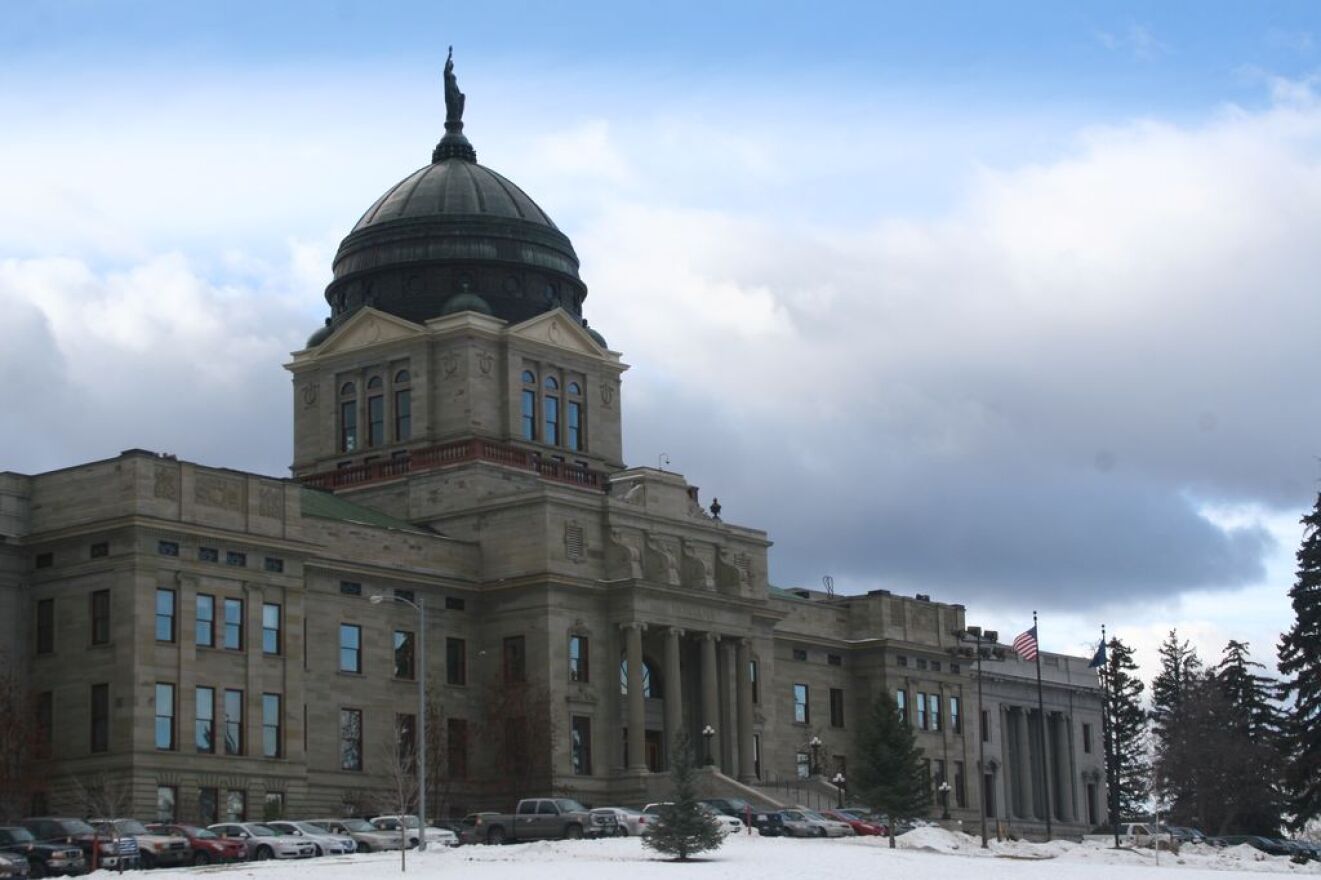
[[922, 854]]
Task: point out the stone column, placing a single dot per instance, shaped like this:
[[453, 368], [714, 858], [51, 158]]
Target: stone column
[[710, 694], [1059, 727], [1023, 767], [637, 707], [673, 691], [747, 772]]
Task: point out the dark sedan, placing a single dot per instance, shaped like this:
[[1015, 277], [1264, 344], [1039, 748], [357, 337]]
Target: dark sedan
[[45, 859], [1265, 844]]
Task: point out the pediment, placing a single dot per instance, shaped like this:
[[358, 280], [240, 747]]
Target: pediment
[[558, 329], [368, 327]]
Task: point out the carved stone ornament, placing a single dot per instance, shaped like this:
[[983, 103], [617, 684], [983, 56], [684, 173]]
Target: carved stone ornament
[[309, 393], [484, 362], [216, 491], [449, 364], [607, 393], [270, 502], [167, 482]]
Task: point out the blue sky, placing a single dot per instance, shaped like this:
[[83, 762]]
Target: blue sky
[[1012, 301]]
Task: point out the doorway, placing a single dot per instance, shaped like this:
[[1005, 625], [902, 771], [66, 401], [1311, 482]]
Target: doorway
[[653, 750]]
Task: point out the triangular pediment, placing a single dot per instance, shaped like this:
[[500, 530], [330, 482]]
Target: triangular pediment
[[368, 327], [559, 329]]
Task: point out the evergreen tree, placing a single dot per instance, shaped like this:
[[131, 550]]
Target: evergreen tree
[[1251, 735], [1128, 729], [1300, 663], [1180, 668], [683, 828], [890, 776]]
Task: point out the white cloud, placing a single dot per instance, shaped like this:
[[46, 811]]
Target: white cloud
[[1135, 39]]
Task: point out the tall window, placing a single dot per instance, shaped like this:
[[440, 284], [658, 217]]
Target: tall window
[[204, 727], [955, 715], [580, 745], [803, 765], [236, 805], [164, 716], [515, 659], [233, 722], [933, 709], [348, 417], [45, 723], [101, 617], [836, 707], [350, 648], [986, 726], [405, 731], [270, 628], [166, 797], [233, 636], [574, 414], [204, 630], [960, 787], [921, 711], [164, 615], [350, 739], [100, 732], [901, 704], [456, 748], [403, 406], [208, 805], [649, 689], [45, 626], [801, 713], [529, 405], [578, 658], [1087, 738], [375, 412], [456, 661], [755, 680], [551, 407], [270, 725], [403, 654]]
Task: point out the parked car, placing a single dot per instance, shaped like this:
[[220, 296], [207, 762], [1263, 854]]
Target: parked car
[[770, 823], [1143, 834], [629, 821], [861, 827], [1184, 834], [435, 836], [325, 842], [154, 849], [263, 843], [727, 824], [367, 836], [45, 859], [14, 866], [820, 825], [109, 854], [206, 845], [539, 819], [736, 807], [1264, 844]]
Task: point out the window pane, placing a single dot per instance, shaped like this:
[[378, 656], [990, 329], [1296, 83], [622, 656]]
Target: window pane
[[164, 716], [403, 414], [348, 426], [270, 628], [456, 661], [529, 414], [233, 722], [270, 725], [165, 615], [234, 624], [206, 619], [552, 405], [350, 739], [403, 654], [205, 724], [375, 420], [575, 423], [350, 643]]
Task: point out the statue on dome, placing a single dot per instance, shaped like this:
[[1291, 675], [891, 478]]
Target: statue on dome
[[453, 97]]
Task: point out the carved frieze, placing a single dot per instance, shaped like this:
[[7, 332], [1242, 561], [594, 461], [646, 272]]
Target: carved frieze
[[214, 490]]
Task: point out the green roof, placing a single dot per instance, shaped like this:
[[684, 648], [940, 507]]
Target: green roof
[[327, 505]]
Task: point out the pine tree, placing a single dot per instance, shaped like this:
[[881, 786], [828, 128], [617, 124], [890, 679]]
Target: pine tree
[[1300, 663], [683, 828], [1180, 669], [890, 777], [1251, 737], [1129, 728]]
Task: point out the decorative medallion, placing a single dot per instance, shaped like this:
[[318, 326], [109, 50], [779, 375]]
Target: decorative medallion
[[449, 364], [216, 491], [484, 362], [309, 393], [607, 393], [167, 482]]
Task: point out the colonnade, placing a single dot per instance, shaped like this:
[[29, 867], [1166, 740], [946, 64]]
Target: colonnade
[[1035, 787]]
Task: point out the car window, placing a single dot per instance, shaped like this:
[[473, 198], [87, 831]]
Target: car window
[[261, 831], [528, 807], [546, 808]]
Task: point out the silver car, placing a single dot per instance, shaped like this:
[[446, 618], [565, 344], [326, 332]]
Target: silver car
[[326, 844], [818, 825], [263, 843], [629, 822], [367, 836], [435, 836]]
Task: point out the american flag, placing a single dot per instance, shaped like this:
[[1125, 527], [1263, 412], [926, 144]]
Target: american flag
[[1025, 645]]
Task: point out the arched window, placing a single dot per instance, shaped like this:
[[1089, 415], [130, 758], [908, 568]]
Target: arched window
[[347, 389], [375, 412], [373, 382], [575, 389], [574, 417], [551, 403], [403, 407], [402, 378], [529, 405], [552, 384], [348, 417], [650, 680]]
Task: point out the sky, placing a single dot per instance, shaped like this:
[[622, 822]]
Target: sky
[[1011, 305]]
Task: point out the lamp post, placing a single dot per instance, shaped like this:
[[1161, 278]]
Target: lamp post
[[839, 781], [943, 788], [708, 732], [815, 745], [421, 745], [978, 636]]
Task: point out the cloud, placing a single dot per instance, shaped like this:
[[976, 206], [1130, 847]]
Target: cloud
[[1137, 40]]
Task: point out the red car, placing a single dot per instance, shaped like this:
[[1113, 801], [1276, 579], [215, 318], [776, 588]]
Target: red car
[[855, 820], [207, 846]]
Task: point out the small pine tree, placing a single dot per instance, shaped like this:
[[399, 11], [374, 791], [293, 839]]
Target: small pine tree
[[1129, 731], [1300, 663], [890, 777], [683, 828]]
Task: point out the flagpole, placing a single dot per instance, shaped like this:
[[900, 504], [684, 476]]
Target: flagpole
[[1041, 716]]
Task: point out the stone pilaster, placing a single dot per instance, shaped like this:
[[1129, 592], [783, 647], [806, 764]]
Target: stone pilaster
[[743, 687], [637, 707], [673, 690]]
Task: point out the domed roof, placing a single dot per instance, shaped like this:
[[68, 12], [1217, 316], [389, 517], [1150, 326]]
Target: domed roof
[[453, 188]]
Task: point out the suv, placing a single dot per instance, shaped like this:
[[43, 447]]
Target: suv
[[97, 850], [44, 858], [155, 848]]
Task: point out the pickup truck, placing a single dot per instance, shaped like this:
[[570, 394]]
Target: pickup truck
[[538, 819]]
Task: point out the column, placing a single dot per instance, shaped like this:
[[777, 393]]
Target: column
[[728, 738], [1063, 777], [673, 691], [1023, 766], [746, 771], [710, 692], [637, 707]]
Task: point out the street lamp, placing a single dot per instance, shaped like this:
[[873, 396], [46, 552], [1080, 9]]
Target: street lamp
[[943, 788], [815, 745], [978, 636], [708, 732], [839, 781], [421, 746]]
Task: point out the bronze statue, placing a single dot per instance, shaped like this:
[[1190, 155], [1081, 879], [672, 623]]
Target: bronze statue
[[453, 97]]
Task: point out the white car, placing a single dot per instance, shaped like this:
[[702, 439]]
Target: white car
[[440, 836], [326, 844], [367, 836], [629, 822], [263, 843]]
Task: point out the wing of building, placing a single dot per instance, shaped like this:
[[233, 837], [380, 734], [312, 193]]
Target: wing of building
[[205, 642]]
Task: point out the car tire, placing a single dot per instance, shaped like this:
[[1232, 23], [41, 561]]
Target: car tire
[[263, 854], [36, 869], [148, 861], [622, 831], [201, 858], [821, 832], [364, 847], [573, 832], [317, 850], [495, 836]]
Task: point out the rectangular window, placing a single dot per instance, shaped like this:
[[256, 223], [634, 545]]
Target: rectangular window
[[99, 550], [45, 626], [552, 409], [43, 560], [900, 660], [166, 797], [529, 415], [164, 615], [271, 738], [348, 426], [164, 716], [350, 647], [208, 554], [409, 595], [986, 726], [801, 713], [272, 806], [575, 425], [204, 629], [756, 755], [350, 739], [403, 415], [578, 658], [45, 723], [960, 787], [456, 748], [800, 654], [901, 705], [955, 715], [100, 732], [921, 710], [938, 773], [233, 635], [403, 655], [270, 628], [933, 710], [755, 681], [375, 420], [167, 548], [101, 617], [921, 663], [836, 707], [233, 722], [803, 765], [350, 588], [456, 661], [834, 660], [208, 805], [515, 659], [273, 564], [580, 744], [236, 806], [234, 557], [204, 727], [453, 603], [1087, 738]]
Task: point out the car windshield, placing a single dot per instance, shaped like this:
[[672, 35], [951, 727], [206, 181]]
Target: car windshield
[[308, 828], [261, 831], [357, 825], [569, 805], [130, 826], [811, 815], [283, 830], [19, 835], [75, 826]]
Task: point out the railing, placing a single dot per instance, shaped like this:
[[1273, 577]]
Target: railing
[[811, 792], [458, 452]]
